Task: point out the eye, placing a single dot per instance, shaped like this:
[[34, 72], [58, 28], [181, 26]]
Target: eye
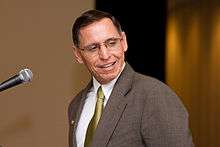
[[91, 48], [111, 42]]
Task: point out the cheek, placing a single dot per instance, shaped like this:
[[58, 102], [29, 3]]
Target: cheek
[[119, 54], [90, 63]]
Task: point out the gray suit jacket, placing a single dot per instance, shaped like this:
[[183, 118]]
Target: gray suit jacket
[[141, 112]]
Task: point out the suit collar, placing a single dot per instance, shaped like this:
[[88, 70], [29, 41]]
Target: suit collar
[[124, 82], [114, 108]]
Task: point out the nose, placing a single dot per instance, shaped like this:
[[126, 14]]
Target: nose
[[104, 53]]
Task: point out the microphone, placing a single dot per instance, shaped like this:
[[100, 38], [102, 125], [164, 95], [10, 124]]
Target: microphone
[[24, 76]]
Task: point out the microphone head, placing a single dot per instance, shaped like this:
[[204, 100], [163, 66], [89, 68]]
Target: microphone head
[[26, 75]]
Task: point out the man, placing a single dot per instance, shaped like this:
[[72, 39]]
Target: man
[[119, 107]]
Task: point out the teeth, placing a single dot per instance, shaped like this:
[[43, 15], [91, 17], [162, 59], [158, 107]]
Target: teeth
[[107, 65]]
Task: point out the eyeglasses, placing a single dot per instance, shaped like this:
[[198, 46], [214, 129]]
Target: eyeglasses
[[111, 43]]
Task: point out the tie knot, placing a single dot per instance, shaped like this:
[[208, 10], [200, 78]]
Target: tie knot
[[100, 93]]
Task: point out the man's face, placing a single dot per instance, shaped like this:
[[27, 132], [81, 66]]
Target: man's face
[[106, 45]]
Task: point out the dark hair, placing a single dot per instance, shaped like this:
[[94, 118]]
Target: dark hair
[[88, 18]]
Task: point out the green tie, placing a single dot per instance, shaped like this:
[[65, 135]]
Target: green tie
[[95, 119]]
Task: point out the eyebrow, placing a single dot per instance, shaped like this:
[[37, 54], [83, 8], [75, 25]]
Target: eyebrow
[[113, 38], [95, 43]]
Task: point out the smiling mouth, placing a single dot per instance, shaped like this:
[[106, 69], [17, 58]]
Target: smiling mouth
[[107, 65]]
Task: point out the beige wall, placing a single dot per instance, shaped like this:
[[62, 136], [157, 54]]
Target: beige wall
[[37, 34], [193, 64]]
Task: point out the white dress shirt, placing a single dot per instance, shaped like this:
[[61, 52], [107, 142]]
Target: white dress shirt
[[89, 108]]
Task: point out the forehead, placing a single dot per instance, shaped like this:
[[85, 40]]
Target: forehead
[[98, 31]]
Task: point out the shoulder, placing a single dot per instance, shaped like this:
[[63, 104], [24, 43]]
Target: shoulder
[[156, 93], [148, 83], [159, 100], [73, 105], [144, 85], [76, 99]]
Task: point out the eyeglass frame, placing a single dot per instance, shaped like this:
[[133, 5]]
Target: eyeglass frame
[[106, 43]]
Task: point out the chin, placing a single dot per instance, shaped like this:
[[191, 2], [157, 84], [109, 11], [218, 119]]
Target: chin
[[106, 79]]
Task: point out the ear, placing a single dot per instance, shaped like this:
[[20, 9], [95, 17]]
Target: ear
[[124, 42], [77, 54]]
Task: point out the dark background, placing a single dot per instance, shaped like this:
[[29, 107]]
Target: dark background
[[144, 24]]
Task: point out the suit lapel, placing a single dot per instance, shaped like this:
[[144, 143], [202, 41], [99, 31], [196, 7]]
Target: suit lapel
[[114, 108], [76, 116]]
